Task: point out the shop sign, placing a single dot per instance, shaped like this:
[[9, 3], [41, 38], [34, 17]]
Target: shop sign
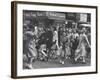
[[55, 15]]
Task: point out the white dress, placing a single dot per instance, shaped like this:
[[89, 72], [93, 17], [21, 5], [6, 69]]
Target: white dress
[[81, 51]]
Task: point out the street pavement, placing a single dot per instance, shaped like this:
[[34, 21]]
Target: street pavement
[[55, 63]]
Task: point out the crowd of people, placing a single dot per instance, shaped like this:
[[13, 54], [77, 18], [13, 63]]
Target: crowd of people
[[55, 42]]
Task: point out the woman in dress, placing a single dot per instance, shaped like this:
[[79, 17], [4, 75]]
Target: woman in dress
[[30, 48], [81, 49], [67, 48]]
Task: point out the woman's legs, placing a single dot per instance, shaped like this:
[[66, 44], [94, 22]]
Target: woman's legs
[[32, 57]]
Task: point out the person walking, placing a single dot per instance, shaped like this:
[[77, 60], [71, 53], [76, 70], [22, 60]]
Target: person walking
[[81, 49]]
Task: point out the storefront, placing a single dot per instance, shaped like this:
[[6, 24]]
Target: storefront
[[44, 18], [58, 19]]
